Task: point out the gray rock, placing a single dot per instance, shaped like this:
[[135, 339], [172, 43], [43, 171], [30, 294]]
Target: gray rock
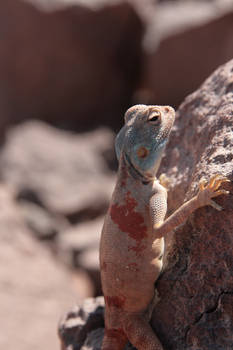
[[89, 262], [34, 290], [78, 239], [68, 174], [45, 225], [81, 320], [78, 246]]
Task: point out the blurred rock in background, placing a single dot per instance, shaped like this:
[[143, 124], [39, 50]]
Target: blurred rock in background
[[74, 66], [193, 41], [34, 288], [68, 71], [66, 173]]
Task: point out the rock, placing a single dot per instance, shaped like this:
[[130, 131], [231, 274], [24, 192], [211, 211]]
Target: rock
[[35, 290], [194, 40], [78, 239], [89, 262], [82, 328], [94, 340], [66, 174], [196, 288], [45, 225], [67, 70], [78, 246], [201, 141], [81, 320]]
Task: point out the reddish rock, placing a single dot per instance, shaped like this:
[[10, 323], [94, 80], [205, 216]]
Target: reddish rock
[[196, 287], [72, 65], [190, 49]]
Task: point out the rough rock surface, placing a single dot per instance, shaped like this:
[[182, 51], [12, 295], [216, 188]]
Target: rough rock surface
[[82, 327], [65, 173], [196, 287], [77, 323], [186, 55], [34, 289], [54, 63]]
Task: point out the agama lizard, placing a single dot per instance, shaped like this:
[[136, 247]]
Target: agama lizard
[[132, 241]]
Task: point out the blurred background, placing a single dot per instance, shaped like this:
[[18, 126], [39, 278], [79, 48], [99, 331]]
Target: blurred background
[[68, 71]]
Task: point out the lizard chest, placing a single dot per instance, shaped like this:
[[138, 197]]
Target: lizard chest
[[126, 229], [130, 217]]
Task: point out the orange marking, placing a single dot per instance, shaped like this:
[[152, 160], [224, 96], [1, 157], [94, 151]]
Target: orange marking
[[142, 152]]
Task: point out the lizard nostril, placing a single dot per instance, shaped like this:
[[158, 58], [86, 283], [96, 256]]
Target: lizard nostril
[[142, 152]]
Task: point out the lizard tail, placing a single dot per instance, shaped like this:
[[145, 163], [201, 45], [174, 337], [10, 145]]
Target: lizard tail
[[140, 333], [114, 339]]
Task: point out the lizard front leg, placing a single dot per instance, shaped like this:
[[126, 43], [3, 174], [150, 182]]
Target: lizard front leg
[[207, 191]]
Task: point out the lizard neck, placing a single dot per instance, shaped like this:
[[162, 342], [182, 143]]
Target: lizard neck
[[126, 169]]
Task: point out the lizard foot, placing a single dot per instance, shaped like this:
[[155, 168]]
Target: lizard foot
[[208, 190]]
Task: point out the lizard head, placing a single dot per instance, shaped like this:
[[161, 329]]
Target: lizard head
[[143, 138]]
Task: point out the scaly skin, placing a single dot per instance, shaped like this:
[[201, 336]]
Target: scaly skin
[[132, 241]]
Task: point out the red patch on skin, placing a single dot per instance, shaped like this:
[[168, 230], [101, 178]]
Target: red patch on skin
[[138, 248], [114, 333], [123, 183], [128, 220], [115, 301], [134, 266]]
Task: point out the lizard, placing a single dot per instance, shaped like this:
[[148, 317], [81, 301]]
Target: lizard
[[132, 238]]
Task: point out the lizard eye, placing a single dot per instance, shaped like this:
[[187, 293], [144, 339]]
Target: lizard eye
[[155, 117]]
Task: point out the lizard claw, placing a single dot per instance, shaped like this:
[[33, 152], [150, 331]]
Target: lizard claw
[[208, 190], [215, 205], [202, 184]]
